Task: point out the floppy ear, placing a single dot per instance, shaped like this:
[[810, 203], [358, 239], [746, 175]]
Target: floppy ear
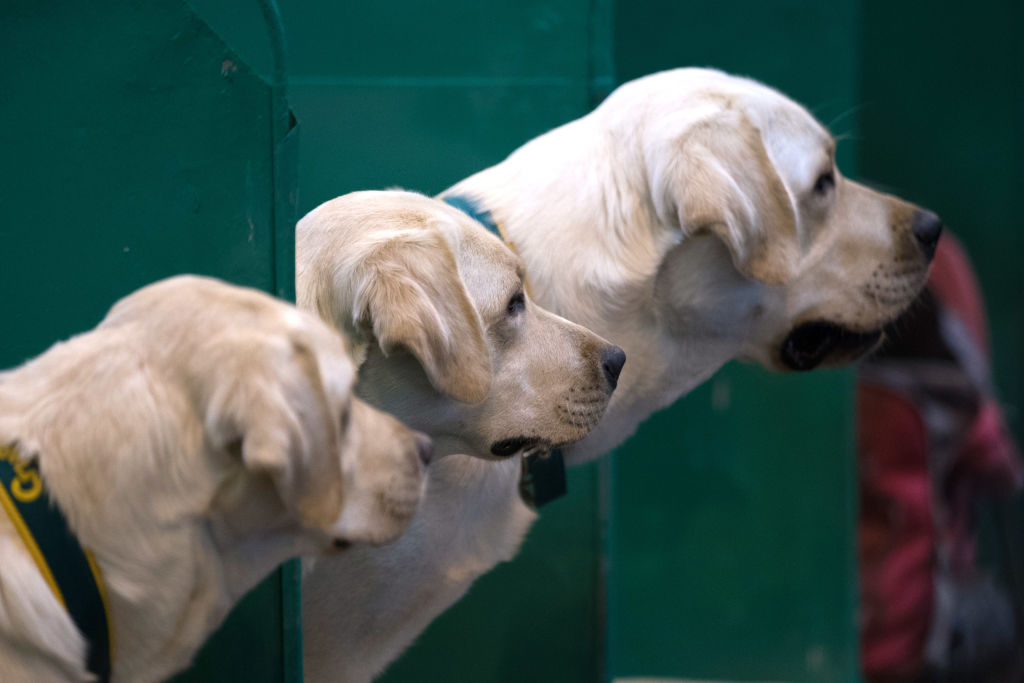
[[724, 182], [410, 292], [269, 399]]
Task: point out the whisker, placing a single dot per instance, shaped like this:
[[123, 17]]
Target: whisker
[[852, 110]]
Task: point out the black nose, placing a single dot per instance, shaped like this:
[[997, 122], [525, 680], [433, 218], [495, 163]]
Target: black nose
[[612, 360], [926, 227], [425, 447]]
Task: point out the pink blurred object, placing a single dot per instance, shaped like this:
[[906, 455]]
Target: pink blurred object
[[931, 441]]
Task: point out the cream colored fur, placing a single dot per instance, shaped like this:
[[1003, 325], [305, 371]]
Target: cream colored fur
[[455, 349], [680, 220], [197, 438]]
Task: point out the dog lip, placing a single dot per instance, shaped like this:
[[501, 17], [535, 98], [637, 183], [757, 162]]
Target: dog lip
[[810, 343], [511, 446]]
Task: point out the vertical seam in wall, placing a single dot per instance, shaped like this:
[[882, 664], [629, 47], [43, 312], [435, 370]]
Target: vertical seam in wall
[[284, 285], [282, 250]]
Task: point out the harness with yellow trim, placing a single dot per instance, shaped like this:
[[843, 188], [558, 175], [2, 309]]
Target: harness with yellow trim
[[69, 569], [542, 478]]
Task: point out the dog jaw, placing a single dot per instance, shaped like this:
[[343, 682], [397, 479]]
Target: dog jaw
[[817, 343]]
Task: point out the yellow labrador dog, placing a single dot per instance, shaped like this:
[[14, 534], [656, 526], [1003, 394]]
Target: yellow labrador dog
[[695, 217], [454, 347], [200, 436]]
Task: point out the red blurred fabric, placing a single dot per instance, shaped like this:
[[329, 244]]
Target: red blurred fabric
[[952, 280], [900, 529], [896, 532]]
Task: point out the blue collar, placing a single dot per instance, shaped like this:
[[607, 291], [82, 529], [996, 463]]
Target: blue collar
[[69, 569], [472, 209], [542, 478]]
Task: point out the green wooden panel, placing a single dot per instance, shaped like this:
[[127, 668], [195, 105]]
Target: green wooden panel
[[809, 50], [420, 95], [136, 146], [420, 137], [455, 39], [538, 618], [732, 535], [128, 156], [731, 551], [417, 41], [943, 123]]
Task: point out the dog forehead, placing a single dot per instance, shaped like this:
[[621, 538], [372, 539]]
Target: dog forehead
[[799, 146], [490, 270], [796, 142]]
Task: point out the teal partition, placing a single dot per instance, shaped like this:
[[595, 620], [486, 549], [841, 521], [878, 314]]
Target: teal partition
[[731, 547], [718, 542], [137, 145], [418, 95], [946, 128]]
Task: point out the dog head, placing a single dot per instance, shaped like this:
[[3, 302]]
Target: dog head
[[730, 158], [273, 386], [453, 344]]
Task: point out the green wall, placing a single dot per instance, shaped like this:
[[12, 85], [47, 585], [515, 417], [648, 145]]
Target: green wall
[[137, 145], [942, 122], [701, 521], [731, 524], [419, 95]]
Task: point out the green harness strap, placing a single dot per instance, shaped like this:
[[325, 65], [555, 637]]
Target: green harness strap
[[70, 570]]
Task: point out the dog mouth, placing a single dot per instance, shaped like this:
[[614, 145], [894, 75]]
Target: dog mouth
[[507, 447], [811, 343]]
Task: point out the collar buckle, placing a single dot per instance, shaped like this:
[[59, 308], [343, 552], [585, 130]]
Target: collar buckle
[[542, 479]]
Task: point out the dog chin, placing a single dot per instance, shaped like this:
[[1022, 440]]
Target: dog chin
[[824, 343]]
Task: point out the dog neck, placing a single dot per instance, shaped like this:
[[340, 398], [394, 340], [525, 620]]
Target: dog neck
[[616, 260]]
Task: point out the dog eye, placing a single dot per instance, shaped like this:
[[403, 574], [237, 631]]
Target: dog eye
[[516, 304], [824, 184]]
